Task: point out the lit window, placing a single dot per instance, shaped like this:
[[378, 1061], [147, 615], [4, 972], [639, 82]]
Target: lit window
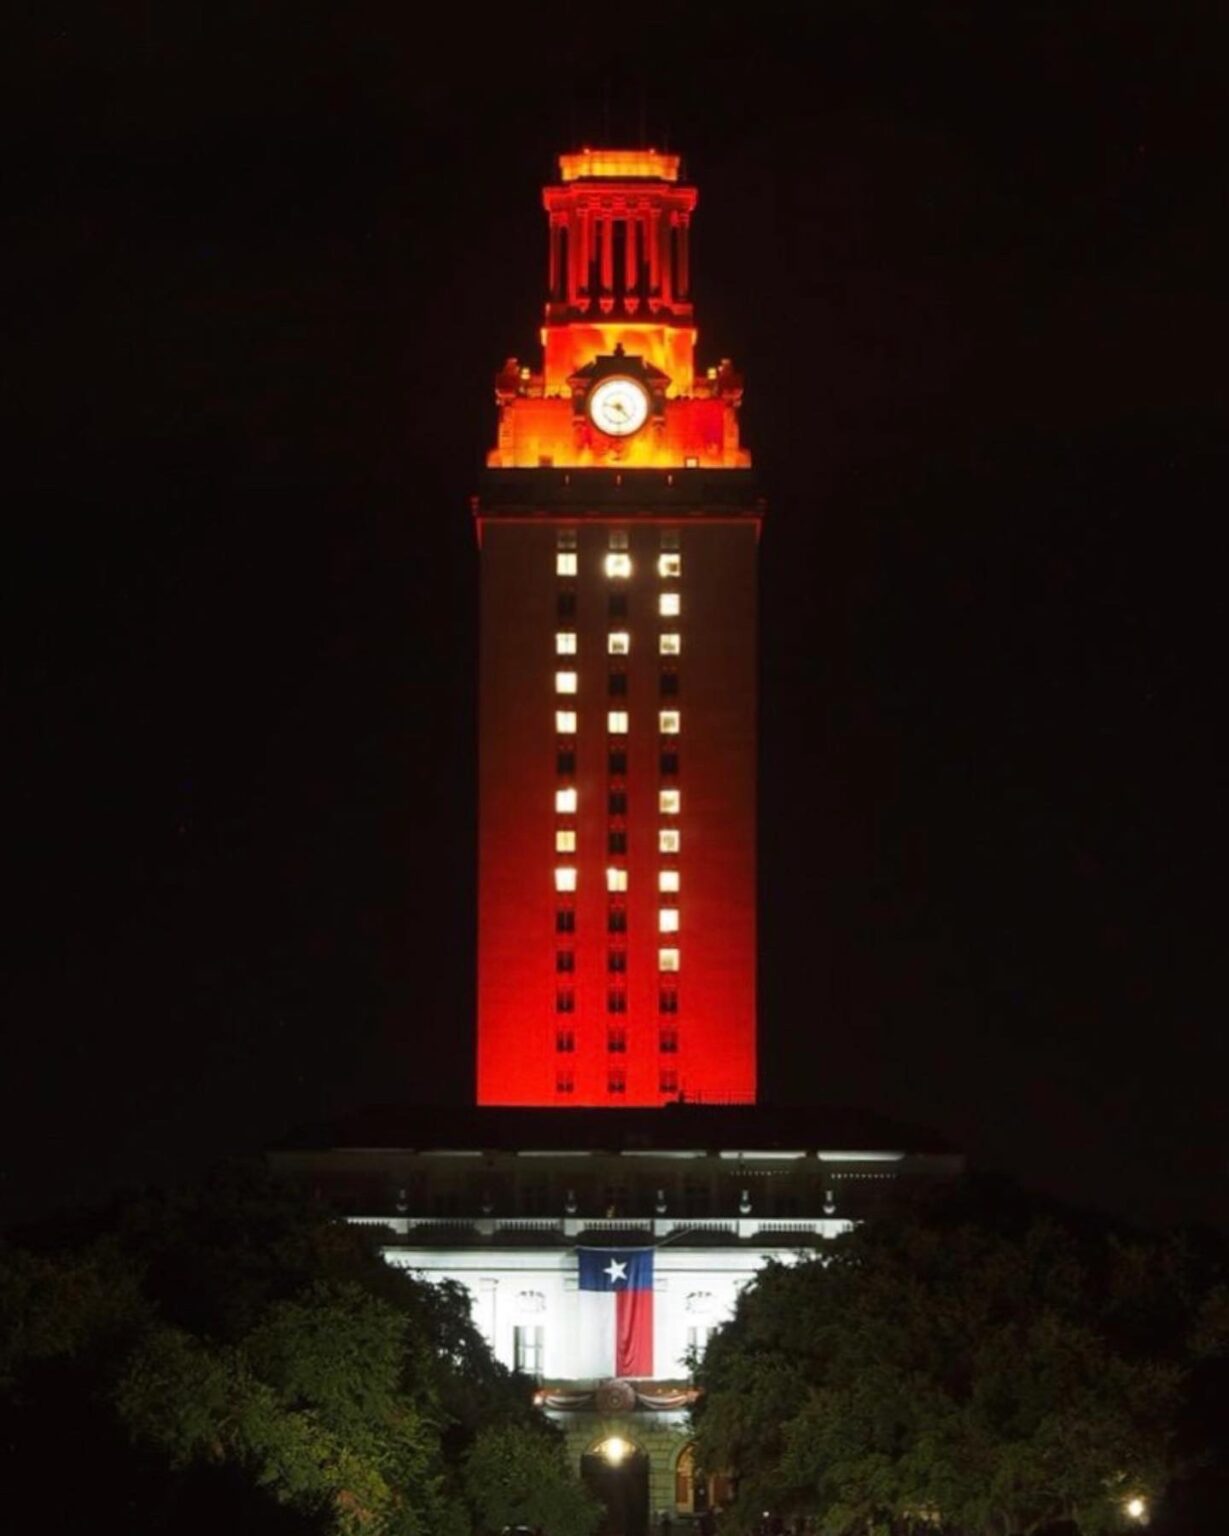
[[667, 959], [565, 878], [527, 1350], [668, 920], [565, 642], [669, 605], [616, 722], [616, 879], [668, 840], [669, 565], [565, 682], [565, 564], [565, 842], [565, 802], [668, 801], [618, 642], [668, 722], [667, 879], [618, 538], [618, 565], [670, 645], [565, 722]]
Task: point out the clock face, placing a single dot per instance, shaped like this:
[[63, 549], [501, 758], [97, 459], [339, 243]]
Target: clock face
[[618, 406]]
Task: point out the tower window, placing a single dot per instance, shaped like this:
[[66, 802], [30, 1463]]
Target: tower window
[[618, 565], [616, 722], [616, 1002], [670, 565], [565, 1041], [565, 762], [669, 840], [616, 1041], [617, 606], [668, 801], [667, 879], [618, 538], [565, 960], [667, 1002], [617, 763], [669, 605], [669, 721], [565, 802], [564, 1082], [616, 803], [668, 920], [565, 603], [668, 1081], [670, 645], [668, 1040], [566, 539], [565, 1001], [669, 538], [565, 642], [565, 877], [616, 842], [616, 920], [565, 840], [667, 959], [617, 685], [565, 682], [669, 764], [565, 722], [618, 642], [616, 879], [565, 563], [565, 920], [616, 1082], [669, 685], [616, 960]]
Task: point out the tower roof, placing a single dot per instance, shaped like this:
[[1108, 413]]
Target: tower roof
[[619, 165]]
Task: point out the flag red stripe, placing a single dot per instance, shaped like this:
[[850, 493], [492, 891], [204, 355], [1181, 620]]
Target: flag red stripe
[[634, 1333]]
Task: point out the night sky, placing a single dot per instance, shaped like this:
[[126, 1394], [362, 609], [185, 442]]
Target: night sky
[[261, 279]]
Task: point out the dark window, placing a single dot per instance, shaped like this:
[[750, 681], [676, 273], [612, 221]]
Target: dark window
[[565, 1040], [616, 1082], [616, 842], [668, 1001], [565, 920], [616, 1002], [669, 539], [565, 960], [618, 605], [616, 960], [670, 763], [616, 804], [618, 764], [565, 1002], [563, 1082], [669, 684], [565, 605], [668, 1041], [668, 1082], [617, 684], [565, 763], [616, 1040], [616, 920]]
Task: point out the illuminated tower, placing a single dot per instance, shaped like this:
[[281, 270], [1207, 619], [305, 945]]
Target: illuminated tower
[[618, 525]]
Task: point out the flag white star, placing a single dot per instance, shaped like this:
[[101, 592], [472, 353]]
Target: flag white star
[[616, 1272]]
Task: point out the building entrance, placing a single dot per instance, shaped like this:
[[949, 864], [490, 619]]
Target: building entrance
[[617, 1473]]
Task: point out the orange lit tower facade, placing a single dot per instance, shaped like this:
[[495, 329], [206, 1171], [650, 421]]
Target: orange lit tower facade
[[618, 525]]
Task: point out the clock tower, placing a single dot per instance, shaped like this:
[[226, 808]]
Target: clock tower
[[618, 525]]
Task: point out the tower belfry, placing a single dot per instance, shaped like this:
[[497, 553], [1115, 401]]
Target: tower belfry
[[618, 525]]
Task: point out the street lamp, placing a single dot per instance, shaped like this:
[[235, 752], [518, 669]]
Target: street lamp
[[614, 1450], [1136, 1508]]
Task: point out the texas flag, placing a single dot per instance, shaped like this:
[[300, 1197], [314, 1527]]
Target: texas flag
[[616, 1311]]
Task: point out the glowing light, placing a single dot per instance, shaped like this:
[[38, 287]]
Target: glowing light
[[668, 879], [618, 564], [565, 682], [565, 840], [565, 722], [668, 722], [667, 959], [616, 879], [565, 878], [565, 802], [669, 605], [614, 1450], [618, 642], [670, 645], [1136, 1508], [565, 565], [668, 841], [669, 565], [565, 643], [669, 801], [668, 920], [616, 722]]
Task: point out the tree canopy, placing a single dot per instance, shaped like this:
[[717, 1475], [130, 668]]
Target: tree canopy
[[955, 1378], [233, 1355]]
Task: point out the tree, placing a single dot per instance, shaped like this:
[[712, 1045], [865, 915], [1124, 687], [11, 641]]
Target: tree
[[517, 1475], [957, 1378]]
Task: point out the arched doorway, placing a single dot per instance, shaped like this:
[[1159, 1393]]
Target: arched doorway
[[618, 1473]]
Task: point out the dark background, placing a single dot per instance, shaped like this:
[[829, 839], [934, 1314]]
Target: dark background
[[971, 264]]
